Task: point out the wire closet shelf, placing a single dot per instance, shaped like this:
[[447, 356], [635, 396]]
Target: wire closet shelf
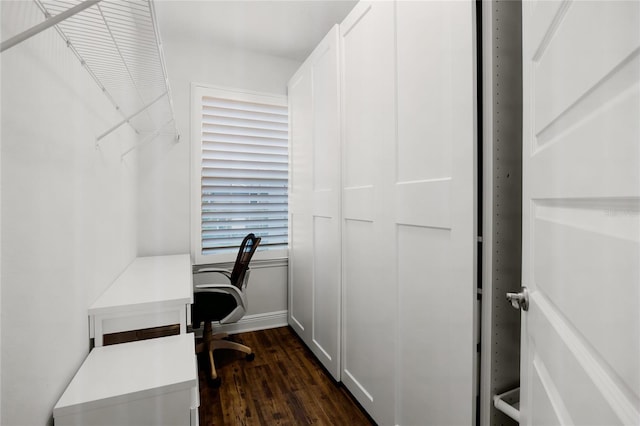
[[118, 43]]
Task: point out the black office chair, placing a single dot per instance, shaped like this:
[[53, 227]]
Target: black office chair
[[225, 303]]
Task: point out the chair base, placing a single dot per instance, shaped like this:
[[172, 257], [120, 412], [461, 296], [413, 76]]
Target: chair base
[[211, 342]]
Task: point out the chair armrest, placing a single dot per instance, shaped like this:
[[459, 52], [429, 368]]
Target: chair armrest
[[225, 272], [223, 288]]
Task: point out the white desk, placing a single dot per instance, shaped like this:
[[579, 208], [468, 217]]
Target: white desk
[[148, 382], [152, 292]]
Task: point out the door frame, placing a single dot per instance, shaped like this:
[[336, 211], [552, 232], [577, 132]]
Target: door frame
[[501, 216]]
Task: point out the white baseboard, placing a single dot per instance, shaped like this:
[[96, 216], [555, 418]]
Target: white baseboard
[[254, 322]]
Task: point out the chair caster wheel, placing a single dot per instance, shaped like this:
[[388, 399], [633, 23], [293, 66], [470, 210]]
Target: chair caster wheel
[[215, 383], [251, 356]]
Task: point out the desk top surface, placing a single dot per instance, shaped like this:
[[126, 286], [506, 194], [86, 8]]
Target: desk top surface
[[149, 281], [127, 371]]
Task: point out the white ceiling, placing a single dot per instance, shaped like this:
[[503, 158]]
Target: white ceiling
[[289, 29]]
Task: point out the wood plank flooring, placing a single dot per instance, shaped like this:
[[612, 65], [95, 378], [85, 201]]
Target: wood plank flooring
[[284, 385]]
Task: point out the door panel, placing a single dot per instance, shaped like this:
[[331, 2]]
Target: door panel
[[325, 336], [555, 362], [361, 342], [425, 203], [581, 213], [326, 292], [426, 347], [326, 105], [546, 415], [314, 280], [300, 222], [359, 203], [586, 145], [367, 83], [572, 40], [425, 86], [566, 258], [435, 212], [409, 211], [369, 287]]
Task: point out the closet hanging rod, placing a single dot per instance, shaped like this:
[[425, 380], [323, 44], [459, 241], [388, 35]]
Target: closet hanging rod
[[126, 119], [49, 22]]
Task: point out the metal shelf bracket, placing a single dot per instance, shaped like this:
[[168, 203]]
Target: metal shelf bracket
[[149, 139], [126, 119]]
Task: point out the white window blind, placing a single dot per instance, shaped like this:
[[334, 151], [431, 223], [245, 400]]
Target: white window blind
[[244, 173]]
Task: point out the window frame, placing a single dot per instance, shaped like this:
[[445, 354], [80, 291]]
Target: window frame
[[197, 91]]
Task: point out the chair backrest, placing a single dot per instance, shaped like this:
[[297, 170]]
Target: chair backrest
[[247, 248]]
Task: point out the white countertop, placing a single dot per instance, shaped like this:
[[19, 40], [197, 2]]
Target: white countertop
[[127, 371], [148, 281]]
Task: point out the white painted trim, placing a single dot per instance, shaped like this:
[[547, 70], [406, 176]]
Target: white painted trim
[[254, 322], [243, 94], [487, 298], [1, 399], [255, 264]]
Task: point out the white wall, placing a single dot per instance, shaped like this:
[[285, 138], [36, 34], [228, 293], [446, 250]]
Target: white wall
[[74, 216], [68, 214], [164, 168], [0, 235]]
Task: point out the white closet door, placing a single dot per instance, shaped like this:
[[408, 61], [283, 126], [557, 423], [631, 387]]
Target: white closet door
[[314, 281], [581, 213], [435, 212], [326, 189], [409, 211], [369, 285], [300, 198]]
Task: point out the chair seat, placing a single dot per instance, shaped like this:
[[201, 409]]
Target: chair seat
[[211, 307]]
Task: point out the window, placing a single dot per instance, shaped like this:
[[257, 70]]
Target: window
[[240, 172]]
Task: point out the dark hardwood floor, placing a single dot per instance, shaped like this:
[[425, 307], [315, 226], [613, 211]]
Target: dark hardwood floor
[[283, 385]]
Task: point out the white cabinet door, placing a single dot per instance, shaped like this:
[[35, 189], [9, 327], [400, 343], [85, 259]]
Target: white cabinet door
[[326, 192], [434, 212], [581, 213], [369, 285], [300, 198], [315, 212], [409, 210]]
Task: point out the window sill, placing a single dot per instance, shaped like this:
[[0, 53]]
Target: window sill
[[255, 264]]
